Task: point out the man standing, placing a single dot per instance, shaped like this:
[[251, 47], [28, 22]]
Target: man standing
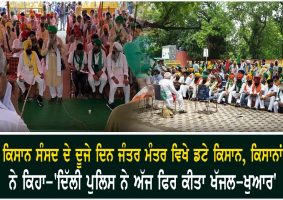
[[53, 50], [9, 38], [118, 73], [30, 71], [97, 67], [9, 119], [167, 89]]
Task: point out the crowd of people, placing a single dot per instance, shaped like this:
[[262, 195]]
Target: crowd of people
[[254, 85], [93, 51]]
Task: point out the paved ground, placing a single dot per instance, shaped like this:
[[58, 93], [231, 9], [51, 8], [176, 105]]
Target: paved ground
[[227, 119]]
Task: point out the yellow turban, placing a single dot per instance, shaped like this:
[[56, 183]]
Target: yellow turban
[[29, 26], [197, 75], [31, 63], [9, 24], [209, 67], [27, 43]]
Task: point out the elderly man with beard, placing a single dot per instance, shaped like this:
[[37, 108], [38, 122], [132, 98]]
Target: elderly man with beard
[[97, 67], [118, 73], [167, 91], [30, 71], [9, 119]]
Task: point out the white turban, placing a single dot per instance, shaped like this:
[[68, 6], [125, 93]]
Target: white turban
[[118, 46], [2, 62], [248, 61], [211, 76], [167, 75]]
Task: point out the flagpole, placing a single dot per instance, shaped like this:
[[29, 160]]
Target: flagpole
[[135, 15]]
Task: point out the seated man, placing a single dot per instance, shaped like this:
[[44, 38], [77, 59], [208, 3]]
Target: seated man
[[212, 85], [167, 89], [97, 67], [255, 93], [155, 77], [9, 119], [186, 80], [118, 73], [246, 90], [78, 62], [229, 87], [30, 71], [193, 86], [236, 92], [268, 95]]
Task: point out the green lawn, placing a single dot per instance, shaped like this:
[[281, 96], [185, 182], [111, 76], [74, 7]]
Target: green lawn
[[72, 115]]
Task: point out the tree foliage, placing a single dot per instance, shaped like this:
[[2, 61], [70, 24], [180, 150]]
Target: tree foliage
[[249, 29]]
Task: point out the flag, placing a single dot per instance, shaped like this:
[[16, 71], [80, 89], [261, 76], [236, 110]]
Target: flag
[[144, 93], [100, 10], [138, 57]]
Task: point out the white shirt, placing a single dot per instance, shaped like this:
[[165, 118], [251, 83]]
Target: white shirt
[[72, 61], [168, 87], [280, 97], [6, 101], [266, 90], [96, 58], [10, 121], [17, 44], [188, 80], [117, 69], [26, 72]]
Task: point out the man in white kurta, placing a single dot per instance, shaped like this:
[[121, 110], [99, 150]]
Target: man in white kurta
[[268, 95], [10, 121], [30, 71], [53, 50], [186, 80], [167, 88], [229, 87], [97, 67], [118, 73]]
